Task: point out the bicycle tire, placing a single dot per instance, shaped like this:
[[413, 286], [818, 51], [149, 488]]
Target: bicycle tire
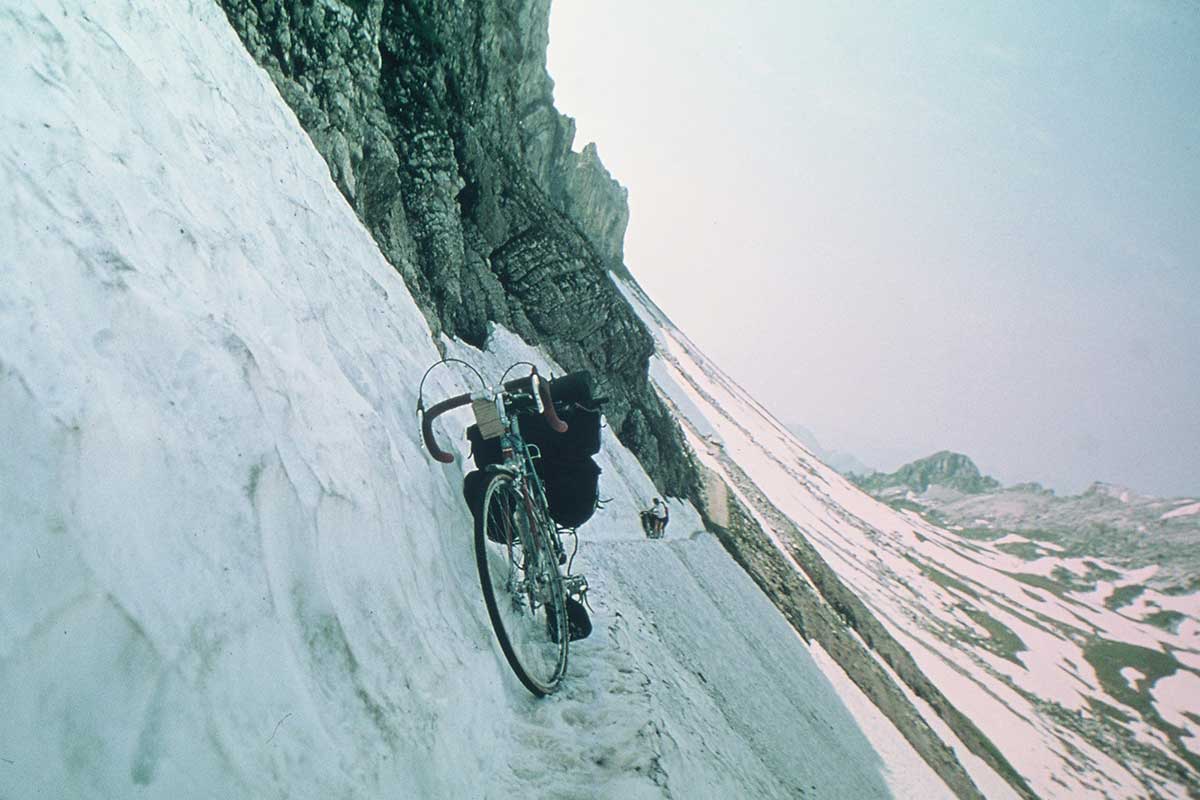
[[522, 588]]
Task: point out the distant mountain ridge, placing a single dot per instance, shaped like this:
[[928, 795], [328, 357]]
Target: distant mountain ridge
[[1104, 521], [845, 463], [944, 468]]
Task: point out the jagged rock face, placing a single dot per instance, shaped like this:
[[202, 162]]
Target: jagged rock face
[[947, 469], [436, 118]]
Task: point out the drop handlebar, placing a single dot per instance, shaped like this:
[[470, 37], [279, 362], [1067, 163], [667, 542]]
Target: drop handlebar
[[533, 382]]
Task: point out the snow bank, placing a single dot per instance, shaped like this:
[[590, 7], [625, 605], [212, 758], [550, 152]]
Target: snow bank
[[207, 384], [230, 569]]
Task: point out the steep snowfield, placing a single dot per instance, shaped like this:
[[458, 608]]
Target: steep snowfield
[[1033, 665], [229, 570]]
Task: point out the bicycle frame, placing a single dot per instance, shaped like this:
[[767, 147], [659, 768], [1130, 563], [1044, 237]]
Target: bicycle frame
[[518, 462], [538, 654]]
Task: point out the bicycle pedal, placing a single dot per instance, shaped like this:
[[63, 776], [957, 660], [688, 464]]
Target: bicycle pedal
[[575, 585], [579, 623]]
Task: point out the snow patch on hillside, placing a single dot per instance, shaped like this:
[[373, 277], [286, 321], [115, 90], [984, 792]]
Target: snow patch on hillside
[[1022, 646], [1182, 511]]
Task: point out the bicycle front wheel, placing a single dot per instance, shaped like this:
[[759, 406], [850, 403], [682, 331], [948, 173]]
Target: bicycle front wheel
[[522, 587]]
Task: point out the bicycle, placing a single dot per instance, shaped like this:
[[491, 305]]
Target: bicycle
[[652, 525], [517, 546]]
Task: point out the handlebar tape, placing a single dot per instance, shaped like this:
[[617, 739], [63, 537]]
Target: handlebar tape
[[548, 412], [427, 425]]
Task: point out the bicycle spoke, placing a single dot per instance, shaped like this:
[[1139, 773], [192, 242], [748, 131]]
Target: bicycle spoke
[[522, 586]]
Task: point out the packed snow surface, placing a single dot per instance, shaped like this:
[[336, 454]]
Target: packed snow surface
[[230, 570]]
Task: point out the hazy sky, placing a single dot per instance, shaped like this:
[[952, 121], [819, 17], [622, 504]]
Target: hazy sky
[[920, 226]]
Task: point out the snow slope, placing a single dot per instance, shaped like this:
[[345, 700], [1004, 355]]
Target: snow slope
[[1037, 664], [229, 568]]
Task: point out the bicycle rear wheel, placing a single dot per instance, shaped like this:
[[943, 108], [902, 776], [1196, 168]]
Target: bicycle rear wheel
[[522, 587]]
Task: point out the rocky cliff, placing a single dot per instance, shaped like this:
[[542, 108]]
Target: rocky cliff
[[437, 120], [944, 468]]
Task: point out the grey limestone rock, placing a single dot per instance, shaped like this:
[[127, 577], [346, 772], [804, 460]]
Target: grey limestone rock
[[437, 121], [946, 469]]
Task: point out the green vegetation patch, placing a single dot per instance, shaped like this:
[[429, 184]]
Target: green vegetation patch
[[1072, 582], [1043, 535], [1123, 596], [1108, 728], [1026, 550], [942, 579], [1193, 585], [1099, 573], [981, 534], [1039, 581], [1108, 711], [1166, 619], [1034, 595], [1001, 639], [1056, 586], [1108, 658], [903, 504]]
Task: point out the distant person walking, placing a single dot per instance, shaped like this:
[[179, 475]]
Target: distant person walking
[[657, 516]]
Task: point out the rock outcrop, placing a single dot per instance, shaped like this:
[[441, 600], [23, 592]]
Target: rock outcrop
[[437, 121], [944, 468]]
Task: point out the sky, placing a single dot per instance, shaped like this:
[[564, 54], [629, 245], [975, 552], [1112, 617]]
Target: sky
[[912, 227]]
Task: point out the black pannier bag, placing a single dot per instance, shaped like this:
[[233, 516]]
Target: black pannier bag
[[568, 472], [572, 489]]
